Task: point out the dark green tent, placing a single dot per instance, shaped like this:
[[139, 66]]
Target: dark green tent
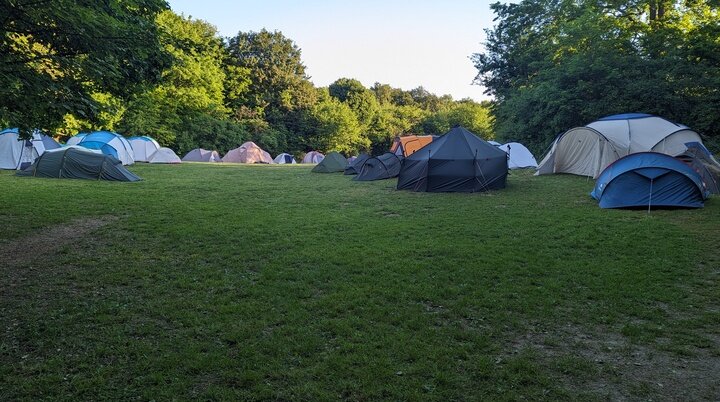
[[380, 167], [354, 166], [333, 162], [77, 163]]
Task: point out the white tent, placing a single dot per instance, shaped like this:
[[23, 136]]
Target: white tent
[[586, 151], [497, 144], [143, 147], [519, 156], [202, 155], [313, 157], [75, 139], [284, 158], [109, 143], [16, 153], [164, 155]]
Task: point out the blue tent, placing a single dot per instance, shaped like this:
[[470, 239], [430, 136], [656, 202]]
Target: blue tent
[[109, 143], [649, 179]]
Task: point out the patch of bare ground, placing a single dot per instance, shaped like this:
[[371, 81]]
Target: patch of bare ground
[[606, 364]]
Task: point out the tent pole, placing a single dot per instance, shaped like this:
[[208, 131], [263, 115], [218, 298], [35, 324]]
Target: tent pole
[[650, 200]]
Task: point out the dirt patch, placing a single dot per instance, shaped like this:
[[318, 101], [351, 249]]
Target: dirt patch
[[605, 363], [48, 241]]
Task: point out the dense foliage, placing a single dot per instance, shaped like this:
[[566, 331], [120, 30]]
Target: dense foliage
[[556, 64], [139, 69]]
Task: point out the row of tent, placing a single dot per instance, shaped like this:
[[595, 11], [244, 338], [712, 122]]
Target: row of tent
[[249, 152]]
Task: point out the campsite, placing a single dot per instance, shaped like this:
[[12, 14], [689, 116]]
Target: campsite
[[296, 201]]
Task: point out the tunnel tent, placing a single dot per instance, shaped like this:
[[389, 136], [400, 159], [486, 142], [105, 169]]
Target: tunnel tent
[[380, 167], [333, 162], [519, 157], [110, 143], [201, 155], [77, 163], [16, 153], [649, 179], [248, 152], [164, 155], [587, 150], [313, 157], [143, 147], [284, 158], [458, 161], [356, 164]]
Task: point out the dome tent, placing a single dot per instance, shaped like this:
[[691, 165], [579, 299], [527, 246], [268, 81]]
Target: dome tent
[[703, 162], [16, 153], [248, 152], [356, 164], [201, 155], [519, 157], [164, 155], [587, 150], [143, 147], [75, 139], [380, 167], [458, 161], [284, 158], [649, 179], [333, 162], [109, 143], [313, 157], [76, 163]]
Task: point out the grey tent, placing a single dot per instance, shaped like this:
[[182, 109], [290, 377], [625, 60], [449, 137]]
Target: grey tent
[[704, 163], [201, 155], [76, 163], [380, 167], [458, 161], [333, 162], [356, 164]]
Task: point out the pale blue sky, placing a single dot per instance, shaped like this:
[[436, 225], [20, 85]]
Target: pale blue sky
[[402, 43]]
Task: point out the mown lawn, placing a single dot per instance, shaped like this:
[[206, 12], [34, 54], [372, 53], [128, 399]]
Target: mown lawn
[[274, 283]]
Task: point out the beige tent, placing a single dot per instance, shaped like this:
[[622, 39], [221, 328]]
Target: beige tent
[[586, 151], [248, 152]]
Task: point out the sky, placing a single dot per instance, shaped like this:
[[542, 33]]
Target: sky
[[402, 43]]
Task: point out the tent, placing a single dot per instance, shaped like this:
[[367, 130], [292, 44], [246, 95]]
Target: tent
[[76, 163], [356, 164], [491, 142], [248, 152], [409, 144], [143, 147], [331, 163], [201, 155], [313, 157], [458, 161], [519, 156], [75, 139], [649, 179], [284, 158], [16, 153], [380, 167], [703, 162], [109, 143], [164, 155], [587, 150]]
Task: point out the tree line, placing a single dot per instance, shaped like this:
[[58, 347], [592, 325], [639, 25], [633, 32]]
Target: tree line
[[138, 68]]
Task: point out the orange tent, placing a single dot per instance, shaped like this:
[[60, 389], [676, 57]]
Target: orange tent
[[408, 144]]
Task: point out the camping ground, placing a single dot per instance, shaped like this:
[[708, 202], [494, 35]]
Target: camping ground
[[270, 282]]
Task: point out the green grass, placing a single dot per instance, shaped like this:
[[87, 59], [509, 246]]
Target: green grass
[[273, 283]]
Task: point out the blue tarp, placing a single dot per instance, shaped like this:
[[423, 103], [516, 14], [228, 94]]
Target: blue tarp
[[649, 179]]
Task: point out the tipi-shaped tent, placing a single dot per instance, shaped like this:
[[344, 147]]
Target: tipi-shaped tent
[[284, 158], [143, 147], [164, 155], [201, 155], [333, 162], [586, 151], [355, 165], [649, 179], [76, 163], [109, 143], [519, 157], [458, 161], [313, 157], [380, 167], [248, 152]]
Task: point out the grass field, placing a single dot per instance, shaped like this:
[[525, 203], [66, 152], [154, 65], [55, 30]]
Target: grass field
[[273, 283]]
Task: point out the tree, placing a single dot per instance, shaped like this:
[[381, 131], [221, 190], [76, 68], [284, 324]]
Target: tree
[[54, 55], [336, 128]]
